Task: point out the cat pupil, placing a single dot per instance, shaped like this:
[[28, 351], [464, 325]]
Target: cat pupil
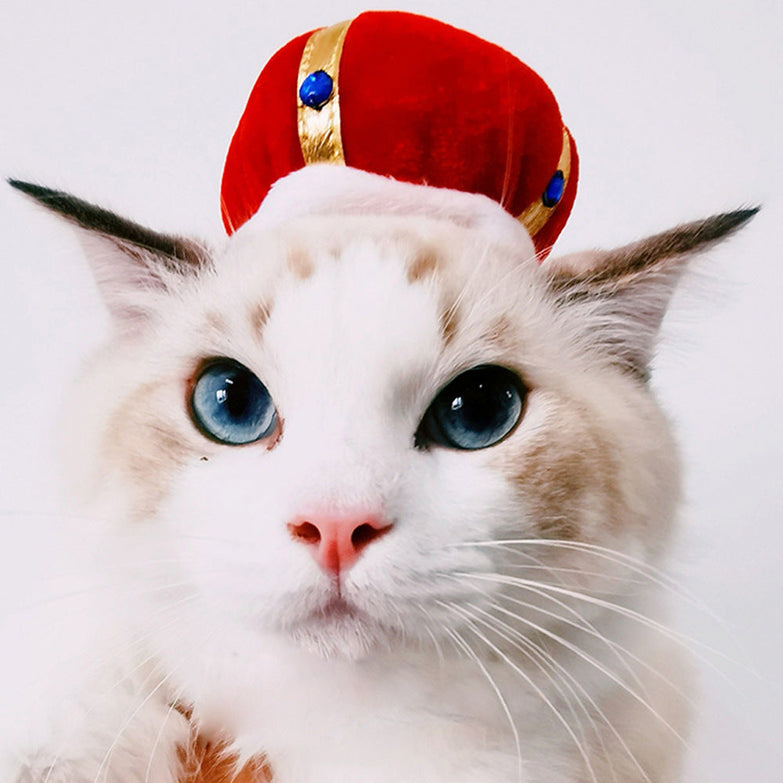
[[483, 409], [476, 410], [235, 396], [231, 405]]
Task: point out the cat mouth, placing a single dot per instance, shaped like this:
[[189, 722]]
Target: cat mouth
[[340, 629], [336, 608]]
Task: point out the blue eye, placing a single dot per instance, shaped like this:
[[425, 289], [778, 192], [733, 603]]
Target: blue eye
[[476, 410], [229, 404]]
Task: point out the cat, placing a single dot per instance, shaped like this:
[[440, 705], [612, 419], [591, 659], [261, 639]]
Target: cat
[[384, 499]]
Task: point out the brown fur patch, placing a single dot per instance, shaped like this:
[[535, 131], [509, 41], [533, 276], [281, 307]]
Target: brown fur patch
[[501, 334], [258, 316], [216, 322], [449, 323], [424, 265], [206, 761], [211, 762], [300, 264], [145, 446], [565, 474]]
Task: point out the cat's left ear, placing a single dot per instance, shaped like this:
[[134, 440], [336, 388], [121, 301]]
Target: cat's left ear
[[620, 296], [132, 264]]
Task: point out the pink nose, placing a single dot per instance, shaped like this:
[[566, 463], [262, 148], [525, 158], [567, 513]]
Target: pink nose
[[337, 543]]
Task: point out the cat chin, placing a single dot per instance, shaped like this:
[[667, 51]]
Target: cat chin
[[346, 635]]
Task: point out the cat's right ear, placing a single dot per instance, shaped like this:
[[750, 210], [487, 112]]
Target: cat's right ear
[[619, 297], [134, 266]]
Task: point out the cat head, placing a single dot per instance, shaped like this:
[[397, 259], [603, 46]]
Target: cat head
[[371, 420]]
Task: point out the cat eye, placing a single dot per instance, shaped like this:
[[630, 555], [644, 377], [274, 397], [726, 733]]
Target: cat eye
[[475, 410], [230, 405]]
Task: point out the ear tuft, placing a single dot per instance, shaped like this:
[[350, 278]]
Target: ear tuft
[[621, 295], [178, 251], [599, 267], [131, 263]]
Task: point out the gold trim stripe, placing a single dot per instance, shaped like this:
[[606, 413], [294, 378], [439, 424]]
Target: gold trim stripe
[[536, 215], [319, 129]]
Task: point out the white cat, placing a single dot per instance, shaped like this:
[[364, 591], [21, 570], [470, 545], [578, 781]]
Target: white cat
[[382, 500]]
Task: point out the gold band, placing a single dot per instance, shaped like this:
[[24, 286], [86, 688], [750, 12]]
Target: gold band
[[319, 129], [320, 134], [537, 214]]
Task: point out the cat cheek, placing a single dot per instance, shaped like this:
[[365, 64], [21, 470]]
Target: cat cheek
[[563, 472], [145, 454], [594, 474]]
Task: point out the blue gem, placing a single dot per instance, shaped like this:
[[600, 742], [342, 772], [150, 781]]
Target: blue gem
[[554, 190], [316, 90]]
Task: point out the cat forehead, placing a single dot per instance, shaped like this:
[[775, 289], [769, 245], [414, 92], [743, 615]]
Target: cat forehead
[[423, 250], [381, 295], [372, 271]]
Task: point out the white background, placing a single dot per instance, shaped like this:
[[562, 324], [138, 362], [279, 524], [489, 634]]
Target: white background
[[676, 108]]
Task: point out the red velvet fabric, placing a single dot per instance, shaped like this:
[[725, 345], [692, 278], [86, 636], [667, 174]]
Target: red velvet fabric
[[430, 104], [265, 145], [420, 101]]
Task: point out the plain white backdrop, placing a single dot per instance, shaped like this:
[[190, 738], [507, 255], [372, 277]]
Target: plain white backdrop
[[676, 108]]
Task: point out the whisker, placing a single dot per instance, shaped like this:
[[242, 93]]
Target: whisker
[[613, 646], [517, 637], [675, 636], [125, 646], [538, 690], [654, 575], [92, 589], [104, 693], [544, 662], [172, 707], [558, 571], [459, 640], [105, 762], [582, 624], [617, 681], [428, 628]]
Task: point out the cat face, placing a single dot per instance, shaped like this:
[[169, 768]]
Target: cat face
[[356, 432]]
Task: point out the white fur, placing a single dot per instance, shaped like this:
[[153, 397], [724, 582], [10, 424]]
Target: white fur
[[323, 189], [210, 589]]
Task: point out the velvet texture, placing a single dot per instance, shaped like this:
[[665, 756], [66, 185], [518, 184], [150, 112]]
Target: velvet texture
[[420, 101], [265, 145]]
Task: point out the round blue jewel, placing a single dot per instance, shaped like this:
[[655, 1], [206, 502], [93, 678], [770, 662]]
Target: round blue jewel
[[316, 89], [554, 190]]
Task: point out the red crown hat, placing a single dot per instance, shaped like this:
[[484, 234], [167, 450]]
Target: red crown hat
[[410, 98]]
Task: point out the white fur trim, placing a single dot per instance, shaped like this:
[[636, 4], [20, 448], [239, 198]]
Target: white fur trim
[[324, 189]]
